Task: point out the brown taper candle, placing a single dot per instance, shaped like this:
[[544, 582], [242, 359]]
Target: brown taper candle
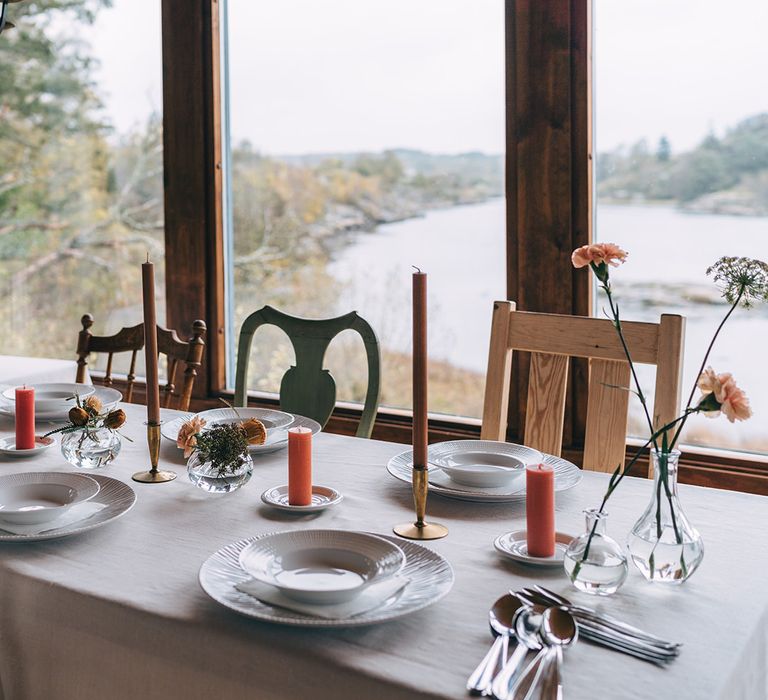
[[150, 342], [419, 369]]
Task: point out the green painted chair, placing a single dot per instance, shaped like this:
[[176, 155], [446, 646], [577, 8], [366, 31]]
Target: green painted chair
[[307, 388]]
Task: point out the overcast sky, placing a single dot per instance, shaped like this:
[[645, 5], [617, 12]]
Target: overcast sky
[[347, 75]]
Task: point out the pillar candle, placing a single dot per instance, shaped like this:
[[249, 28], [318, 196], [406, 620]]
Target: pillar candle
[[150, 342], [420, 423], [25, 418], [540, 510], [299, 466]]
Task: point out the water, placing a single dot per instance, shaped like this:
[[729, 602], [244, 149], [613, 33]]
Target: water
[[597, 579], [92, 449], [658, 560], [463, 250]]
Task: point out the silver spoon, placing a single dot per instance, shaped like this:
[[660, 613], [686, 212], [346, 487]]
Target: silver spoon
[[558, 630], [526, 631], [501, 619]]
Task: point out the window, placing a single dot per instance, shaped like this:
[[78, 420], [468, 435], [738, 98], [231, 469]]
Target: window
[[682, 178], [81, 181], [367, 138]]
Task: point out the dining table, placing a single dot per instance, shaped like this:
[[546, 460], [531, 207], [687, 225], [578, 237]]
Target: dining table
[[117, 612]]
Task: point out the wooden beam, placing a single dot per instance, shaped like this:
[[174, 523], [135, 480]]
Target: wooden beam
[[548, 176], [192, 163]]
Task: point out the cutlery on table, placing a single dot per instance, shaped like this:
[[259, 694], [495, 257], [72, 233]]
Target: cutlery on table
[[526, 629], [611, 638], [549, 597], [501, 619]]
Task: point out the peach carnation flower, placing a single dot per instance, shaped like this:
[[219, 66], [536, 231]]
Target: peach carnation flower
[[93, 404], [255, 432], [187, 438], [598, 253], [732, 400]]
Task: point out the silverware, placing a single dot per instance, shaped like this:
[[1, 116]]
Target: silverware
[[527, 634], [607, 636], [588, 613], [558, 630], [501, 619]]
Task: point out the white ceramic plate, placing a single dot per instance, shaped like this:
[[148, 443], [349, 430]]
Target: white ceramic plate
[[52, 398], [117, 496], [109, 398], [514, 546], [8, 446], [430, 578], [321, 566], [322, 497], [567, 475], [39, 497], [277, 438]]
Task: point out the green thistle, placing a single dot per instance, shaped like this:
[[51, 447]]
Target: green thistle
[[224, 446]]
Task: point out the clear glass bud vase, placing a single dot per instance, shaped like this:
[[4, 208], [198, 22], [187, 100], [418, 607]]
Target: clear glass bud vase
[[594, 562], [207, 477], [663, 544]]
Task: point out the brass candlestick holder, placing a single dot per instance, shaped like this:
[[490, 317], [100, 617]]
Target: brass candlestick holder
[[154, 475], [421, 530]]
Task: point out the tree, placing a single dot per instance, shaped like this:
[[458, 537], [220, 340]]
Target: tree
[[664, 150]]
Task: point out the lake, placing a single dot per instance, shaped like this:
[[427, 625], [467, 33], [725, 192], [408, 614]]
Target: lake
[[463, 251]]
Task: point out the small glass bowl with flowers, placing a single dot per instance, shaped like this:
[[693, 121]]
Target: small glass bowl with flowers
[[218, 458], [91, 439]]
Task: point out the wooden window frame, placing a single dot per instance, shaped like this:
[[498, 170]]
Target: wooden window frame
[[548, 193]]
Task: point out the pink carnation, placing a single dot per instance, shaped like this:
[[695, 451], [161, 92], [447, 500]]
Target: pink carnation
[[598, 253], [732, 400]]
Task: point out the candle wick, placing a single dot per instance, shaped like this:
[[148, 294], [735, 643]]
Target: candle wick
[[147, 256], [418, 269]]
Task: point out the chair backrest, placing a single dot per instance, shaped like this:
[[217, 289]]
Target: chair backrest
[[552, 340], [178, 352], [307, 388]]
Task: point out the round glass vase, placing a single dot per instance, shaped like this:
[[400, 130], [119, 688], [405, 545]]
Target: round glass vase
[[91, 448], [209, 478], [663, 544], [594, 562]]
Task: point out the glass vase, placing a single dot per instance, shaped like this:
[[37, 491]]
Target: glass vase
[[603, 569], [663, 544], [90, 448], [207, 477]]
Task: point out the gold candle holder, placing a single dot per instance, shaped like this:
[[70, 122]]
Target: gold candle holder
[[154, 475], [421, 530]]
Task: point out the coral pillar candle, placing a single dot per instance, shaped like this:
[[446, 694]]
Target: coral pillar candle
[[419, 369], [299, 466], [540, 510], [25, 418], [150, 342]]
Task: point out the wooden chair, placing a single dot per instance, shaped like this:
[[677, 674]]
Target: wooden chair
[[552, 339], [177, 352], [307, 388]]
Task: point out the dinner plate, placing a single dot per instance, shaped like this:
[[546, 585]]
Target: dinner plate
[[567, 475], [322, 497], [51, 397], [430, 578], [513, 545], [277, 438], [117, 496], [109, 398], [321, 566]]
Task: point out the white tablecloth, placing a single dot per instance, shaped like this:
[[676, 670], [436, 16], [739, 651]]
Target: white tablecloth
[[118, 613], [33, 370]]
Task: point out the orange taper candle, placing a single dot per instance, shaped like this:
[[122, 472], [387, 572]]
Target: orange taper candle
[[540, 510], [25, 418], [420, 423], [299, 466], [150, 342]]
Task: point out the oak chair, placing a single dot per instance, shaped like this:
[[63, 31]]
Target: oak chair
[[552, 340], [178, 352], [308, 388]]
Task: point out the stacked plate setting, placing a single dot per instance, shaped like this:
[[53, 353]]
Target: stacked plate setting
[[325, 578], [53, 400], [483, 471], [276, 423]]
